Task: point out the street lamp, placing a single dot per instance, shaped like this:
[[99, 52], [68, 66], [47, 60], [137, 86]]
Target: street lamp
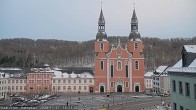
[[69, 89]]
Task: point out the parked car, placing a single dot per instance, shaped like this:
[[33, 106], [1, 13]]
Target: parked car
[[18, 99]]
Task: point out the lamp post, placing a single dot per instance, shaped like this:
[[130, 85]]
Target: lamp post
[[70, 96], [113, 96]]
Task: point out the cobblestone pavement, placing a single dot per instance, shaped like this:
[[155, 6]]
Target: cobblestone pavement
[[113, 102]]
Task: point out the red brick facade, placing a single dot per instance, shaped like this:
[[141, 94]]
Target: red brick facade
[[39, 82], [118, 69]]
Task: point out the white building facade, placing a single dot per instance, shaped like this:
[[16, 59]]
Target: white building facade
[[65, 83], [161, 80], [3, 86], [16, 85], [148, 81]]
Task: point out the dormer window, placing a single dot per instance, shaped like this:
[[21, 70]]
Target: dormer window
[[101, 46], [136, 46]]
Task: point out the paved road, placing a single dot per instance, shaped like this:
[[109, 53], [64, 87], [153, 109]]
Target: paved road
[[115, 101], [143, 104]]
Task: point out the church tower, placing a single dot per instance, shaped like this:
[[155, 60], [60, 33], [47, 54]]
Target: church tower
[[100, 62], [135, 47]]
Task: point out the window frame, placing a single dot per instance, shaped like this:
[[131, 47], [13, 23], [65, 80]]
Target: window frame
[[136, 46], [195, 91], [187, 89], [136, 64], [180, 87], [111, 70], [174, 106], [101, 46], [119, 68], [181, 107], [112, 84], [126, 71], [173, 85], [126, 84], [101, 65]]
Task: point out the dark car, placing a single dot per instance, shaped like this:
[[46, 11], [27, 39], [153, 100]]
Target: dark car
[[18, 99]]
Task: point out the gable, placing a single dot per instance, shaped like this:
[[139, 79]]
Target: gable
[[118, 52]]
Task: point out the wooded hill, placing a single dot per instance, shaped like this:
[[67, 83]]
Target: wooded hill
[[24, 53]]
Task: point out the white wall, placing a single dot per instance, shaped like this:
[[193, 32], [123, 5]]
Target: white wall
[[3, 88], [75, 86], [14, 85]]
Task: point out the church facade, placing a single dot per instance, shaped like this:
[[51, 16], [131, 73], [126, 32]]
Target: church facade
[[118, 69]]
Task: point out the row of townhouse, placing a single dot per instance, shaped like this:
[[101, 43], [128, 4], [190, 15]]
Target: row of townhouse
[[11, 83], [157, 82], [44, 80], [3, 87], [161, 80]]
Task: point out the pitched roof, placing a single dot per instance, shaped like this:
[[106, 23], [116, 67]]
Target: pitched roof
[[193, 64], [59, 74], [183, 69], [4, 75], [160, 69], [148, 74], [178, 64], [190, 48]]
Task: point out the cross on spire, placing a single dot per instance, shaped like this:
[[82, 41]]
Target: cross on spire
[[133, 4], [101, 3]]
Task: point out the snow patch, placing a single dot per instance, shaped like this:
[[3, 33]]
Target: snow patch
[[190, 48]]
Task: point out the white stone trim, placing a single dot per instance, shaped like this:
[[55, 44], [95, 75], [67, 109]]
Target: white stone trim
[[130, 72], [117, 65], [119, 82], [137, 84], [138, 58], [108, 75]]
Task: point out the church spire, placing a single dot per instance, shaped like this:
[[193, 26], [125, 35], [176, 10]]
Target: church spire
[[101, 28], [134, 22], [134, 27], [101, 22]]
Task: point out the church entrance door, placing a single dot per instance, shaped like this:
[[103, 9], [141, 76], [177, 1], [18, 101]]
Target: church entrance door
[[119, 88], [137, 89], [101, 89]]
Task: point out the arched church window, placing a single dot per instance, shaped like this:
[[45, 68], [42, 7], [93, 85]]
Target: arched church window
[[112, 71], [126, 71], [101, 65], [136, 46], [101, 46], [119, 65], [136, 65]]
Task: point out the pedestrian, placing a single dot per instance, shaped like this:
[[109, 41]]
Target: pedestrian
[[67, 104]]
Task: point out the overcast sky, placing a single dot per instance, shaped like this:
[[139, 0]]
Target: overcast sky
[[77, 19]]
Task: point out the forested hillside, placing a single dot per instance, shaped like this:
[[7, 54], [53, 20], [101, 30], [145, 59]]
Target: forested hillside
[[22, 52]]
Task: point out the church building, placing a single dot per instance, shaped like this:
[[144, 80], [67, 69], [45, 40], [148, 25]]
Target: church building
[[118, 69]]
